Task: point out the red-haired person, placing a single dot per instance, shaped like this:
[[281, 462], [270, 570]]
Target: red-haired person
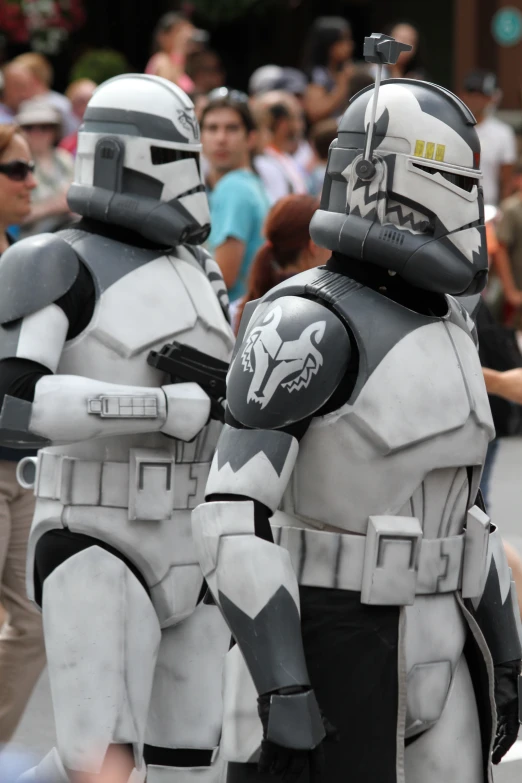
[[287, 249]]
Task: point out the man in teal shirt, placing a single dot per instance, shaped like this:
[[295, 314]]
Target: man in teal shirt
[[238, 202]]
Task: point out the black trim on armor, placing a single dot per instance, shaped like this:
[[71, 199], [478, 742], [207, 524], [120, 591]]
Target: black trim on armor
[[18, 378], [497, 620], [262, 514], [131, 123], [396, 288], [271, 642], [176, 757], [9, 336], [107, 259], [57, 546], [15, 417], [48, 262], [294, 721], [161, 155]]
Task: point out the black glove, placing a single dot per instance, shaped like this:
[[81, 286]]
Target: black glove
[[506, 699], [293, 732]]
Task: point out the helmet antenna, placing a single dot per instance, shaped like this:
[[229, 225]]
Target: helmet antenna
[[381, 50]]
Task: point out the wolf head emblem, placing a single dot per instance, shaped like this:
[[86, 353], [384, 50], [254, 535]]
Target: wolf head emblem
[[188, 121], [276, 362]]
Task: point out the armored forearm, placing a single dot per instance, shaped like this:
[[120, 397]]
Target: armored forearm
[[68, 408], [252, 579], [255, 586], [496, 610]]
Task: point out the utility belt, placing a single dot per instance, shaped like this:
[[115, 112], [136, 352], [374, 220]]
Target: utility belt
[[392, 563], [151, 485]]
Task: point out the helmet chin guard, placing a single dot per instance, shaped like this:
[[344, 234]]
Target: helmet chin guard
[[402, 186]]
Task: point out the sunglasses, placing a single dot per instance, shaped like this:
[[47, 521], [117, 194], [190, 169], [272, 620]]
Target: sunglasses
[[223, 92], [40, 127], [17, 170]]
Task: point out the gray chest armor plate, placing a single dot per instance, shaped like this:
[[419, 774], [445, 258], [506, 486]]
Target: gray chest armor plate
[[417, 422], [143, 300], [136, 491]]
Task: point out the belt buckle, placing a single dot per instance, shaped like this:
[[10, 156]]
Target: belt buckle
[[391, 561]]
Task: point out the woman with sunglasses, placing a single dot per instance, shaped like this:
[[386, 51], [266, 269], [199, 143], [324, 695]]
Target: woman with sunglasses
[[16, 181], [54, 168], [22, 655]]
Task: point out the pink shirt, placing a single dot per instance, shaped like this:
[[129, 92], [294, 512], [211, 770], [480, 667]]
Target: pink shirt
[[184, 81]]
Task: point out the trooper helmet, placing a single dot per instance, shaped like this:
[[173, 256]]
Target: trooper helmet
[[420, 212], [138, 161]]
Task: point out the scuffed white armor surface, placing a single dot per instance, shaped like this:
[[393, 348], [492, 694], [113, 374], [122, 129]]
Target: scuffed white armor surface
[[101, 640], [93, 487], [403, 448], [451, 750], [424, 406], [164, 300]]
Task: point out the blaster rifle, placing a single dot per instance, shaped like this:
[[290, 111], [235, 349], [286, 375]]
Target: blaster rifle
[[184, 363]]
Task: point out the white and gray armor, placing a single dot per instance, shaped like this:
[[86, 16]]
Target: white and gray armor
[[135, 656], [358, 417]]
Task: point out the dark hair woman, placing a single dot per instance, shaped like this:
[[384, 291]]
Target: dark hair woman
[[287, 249], [328, 65], [172, 38], [409, 64]]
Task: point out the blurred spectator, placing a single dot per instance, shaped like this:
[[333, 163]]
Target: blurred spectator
[[264, 79], [328, 65], [206, 70], [507, 384], [79, 93], [509, 234], [43, 75], [361, 78], [321, 136], [274, 77], [497, 138], [409, 64], [54, 168], [200, 100], [238, 202], [287, 249], [499, 260], [280, 121], [514, 560], [174, 37], [17, 85], [22, 654]]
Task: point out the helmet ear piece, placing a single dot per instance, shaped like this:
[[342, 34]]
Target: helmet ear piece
[[109, 155]]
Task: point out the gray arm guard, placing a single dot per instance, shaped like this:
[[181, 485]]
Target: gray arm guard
[[253, 582], [496, 611], [69, 408]]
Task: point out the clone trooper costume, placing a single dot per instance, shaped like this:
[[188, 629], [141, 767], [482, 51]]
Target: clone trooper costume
[[135, 656], [379, 597]]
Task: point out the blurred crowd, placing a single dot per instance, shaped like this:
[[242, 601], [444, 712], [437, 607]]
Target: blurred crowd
[[262, 146], [264, 157]]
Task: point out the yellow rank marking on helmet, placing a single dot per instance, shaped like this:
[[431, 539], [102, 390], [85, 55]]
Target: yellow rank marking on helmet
[[429, 150]]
